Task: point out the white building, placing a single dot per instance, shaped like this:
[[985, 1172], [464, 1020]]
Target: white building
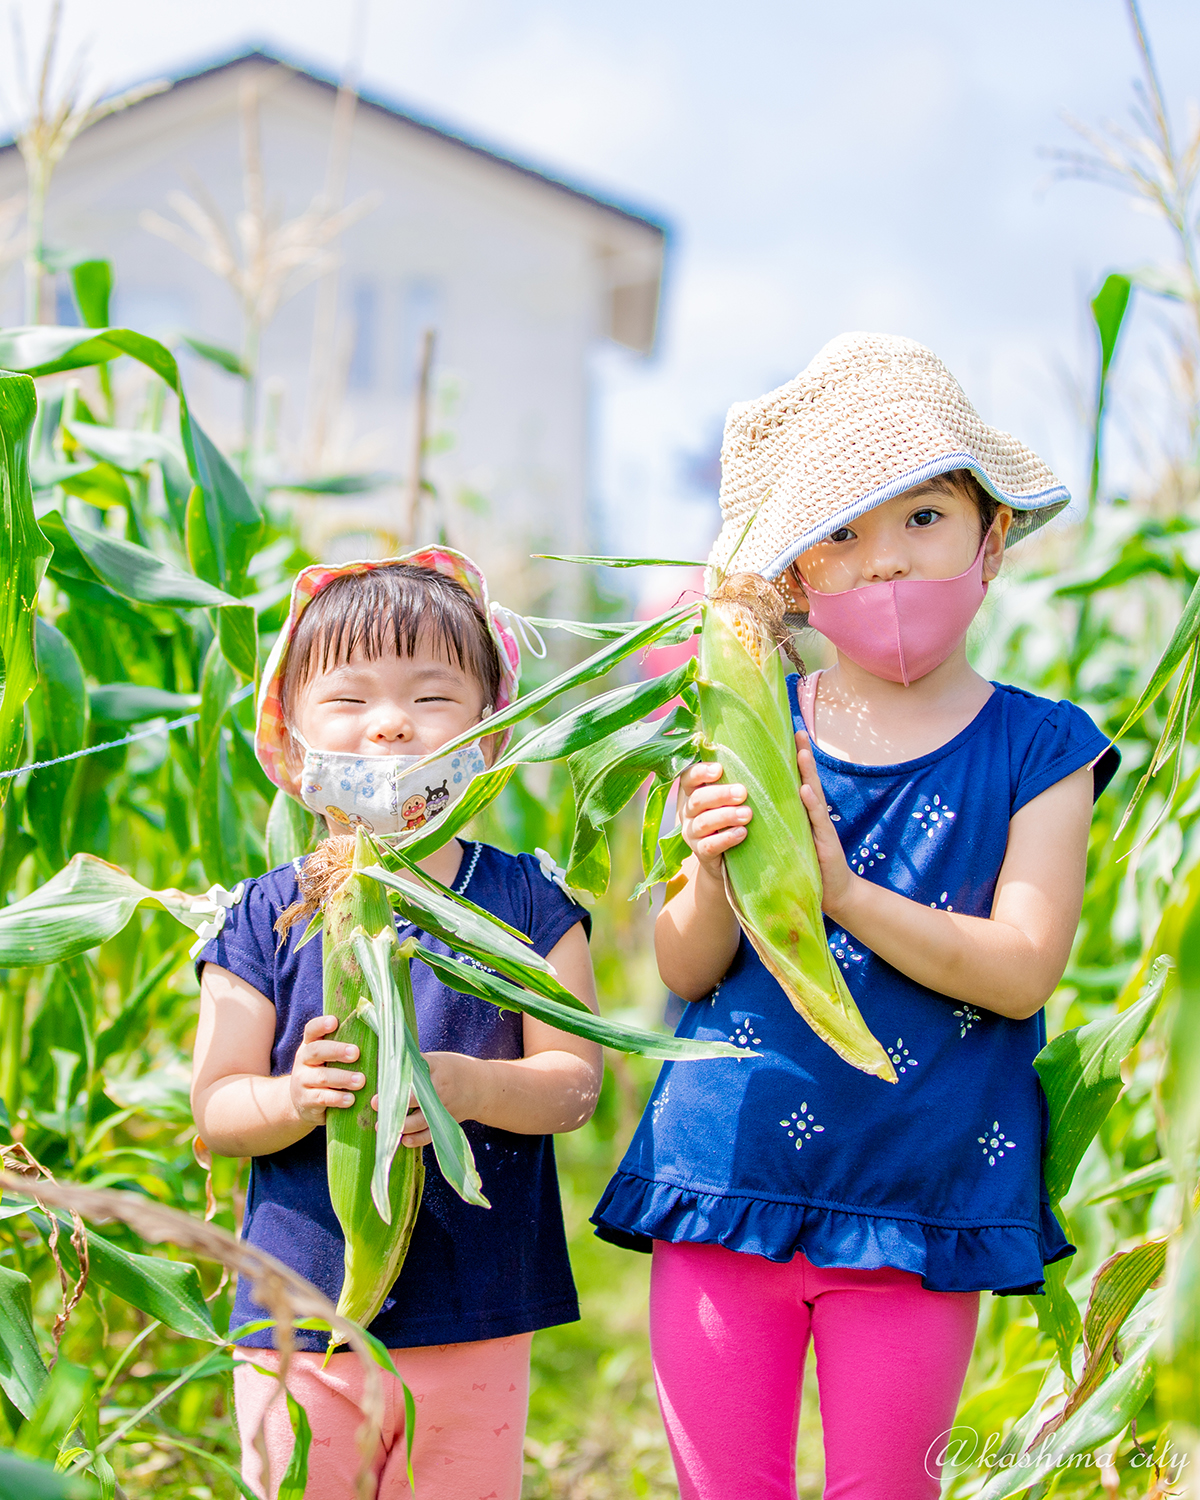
[[521, 275]]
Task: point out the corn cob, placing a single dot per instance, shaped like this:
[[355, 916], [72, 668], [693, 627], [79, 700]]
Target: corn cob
[[772, 876], [375, 1249]]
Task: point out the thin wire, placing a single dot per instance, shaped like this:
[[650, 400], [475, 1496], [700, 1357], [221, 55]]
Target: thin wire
[[142, 734]]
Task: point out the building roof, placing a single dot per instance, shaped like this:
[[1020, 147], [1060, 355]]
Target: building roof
[[391, 110]]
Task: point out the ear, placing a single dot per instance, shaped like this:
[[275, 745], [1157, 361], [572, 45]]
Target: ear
[[994, 542]]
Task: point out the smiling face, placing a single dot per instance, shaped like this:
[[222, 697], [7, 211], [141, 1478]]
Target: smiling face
[[927, 532], [392, 705]]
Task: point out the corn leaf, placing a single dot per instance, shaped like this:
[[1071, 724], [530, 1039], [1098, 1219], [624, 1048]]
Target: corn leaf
[[46, 350], [131, 451], [1081, 1075], [22, 1369], [607, 775], [378, 959], [28, 1479], [136, 573], [58, 716], [455, 1159], [478, 936], [235, 521], [168, 1290], [597, 665], [1147, 1179], [468, 980], [60, 1403], [672, 851], [222, 851], [130, 703], [396, 860], [85, 904], [562, 737], [92, 283], [290, 830], [24, 554], [295, 1479], [1177, 648], [1106, 1414], [618, 562], [237, 631]]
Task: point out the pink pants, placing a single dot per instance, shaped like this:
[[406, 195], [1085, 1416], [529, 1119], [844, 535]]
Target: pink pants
[[729, 1335], [472, 1401]]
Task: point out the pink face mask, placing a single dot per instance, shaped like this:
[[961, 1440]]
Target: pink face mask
[[902, 630]]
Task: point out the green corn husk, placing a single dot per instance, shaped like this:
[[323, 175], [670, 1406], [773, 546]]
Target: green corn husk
[[375, 1248], [772, 876]]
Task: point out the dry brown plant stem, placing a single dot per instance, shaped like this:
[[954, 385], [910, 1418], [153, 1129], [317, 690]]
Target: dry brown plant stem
[[287, 1297]]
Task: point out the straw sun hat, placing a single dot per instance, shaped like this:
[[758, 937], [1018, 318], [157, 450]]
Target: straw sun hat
[[871, 416]]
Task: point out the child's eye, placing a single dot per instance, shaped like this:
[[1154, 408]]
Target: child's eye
[[434, 698], [923, 517], [842, 534]]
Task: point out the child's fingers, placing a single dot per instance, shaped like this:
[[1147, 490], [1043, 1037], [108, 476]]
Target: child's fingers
[[699, 774], [725, 794], [320, 1098], [714, 819], [318, 1027], [416, 1130], [331, 1078], [315, 1053]]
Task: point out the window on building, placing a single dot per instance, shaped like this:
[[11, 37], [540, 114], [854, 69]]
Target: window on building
[[363, 374]]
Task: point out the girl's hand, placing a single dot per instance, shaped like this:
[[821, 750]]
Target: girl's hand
[[712, 814], [837, 878], [315, 1088], [454, 1079]]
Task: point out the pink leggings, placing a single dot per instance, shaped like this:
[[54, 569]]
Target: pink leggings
[[729, 1334], [472, 1401]]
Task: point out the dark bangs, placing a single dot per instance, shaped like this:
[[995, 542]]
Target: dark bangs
[[391, 609]]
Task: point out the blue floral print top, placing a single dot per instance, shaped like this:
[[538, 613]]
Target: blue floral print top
[[795, 1150]]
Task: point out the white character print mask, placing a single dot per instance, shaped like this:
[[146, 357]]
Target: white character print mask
[[382, 793]]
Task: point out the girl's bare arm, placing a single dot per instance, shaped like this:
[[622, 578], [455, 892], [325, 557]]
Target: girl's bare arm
[[1009, 962], [696, 935]]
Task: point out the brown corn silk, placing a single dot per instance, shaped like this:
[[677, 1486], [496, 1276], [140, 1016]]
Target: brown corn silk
[[772, 876]]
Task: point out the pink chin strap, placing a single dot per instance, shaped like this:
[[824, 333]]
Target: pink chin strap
[[903, 629]]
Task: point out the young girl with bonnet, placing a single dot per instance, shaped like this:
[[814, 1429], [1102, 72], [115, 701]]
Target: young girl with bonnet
[[379, 664], [791, 1197]]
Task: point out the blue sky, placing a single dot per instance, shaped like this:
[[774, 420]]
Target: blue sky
[[864, 165]]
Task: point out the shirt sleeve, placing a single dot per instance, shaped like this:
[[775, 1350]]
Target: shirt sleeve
[[552, 913], [247, 942], [1064, 741]]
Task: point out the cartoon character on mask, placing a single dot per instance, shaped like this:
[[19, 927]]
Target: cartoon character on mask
[[437, 799], [347, 820], [413, 812]]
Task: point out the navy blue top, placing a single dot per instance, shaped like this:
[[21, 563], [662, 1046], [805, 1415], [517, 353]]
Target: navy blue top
[[470, 1273], [795, 1150]]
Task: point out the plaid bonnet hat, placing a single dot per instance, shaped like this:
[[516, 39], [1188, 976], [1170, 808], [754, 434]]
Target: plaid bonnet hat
[[269, 738]]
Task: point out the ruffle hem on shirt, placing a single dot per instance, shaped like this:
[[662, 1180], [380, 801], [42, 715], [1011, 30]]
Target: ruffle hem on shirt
[[1007, 1259]]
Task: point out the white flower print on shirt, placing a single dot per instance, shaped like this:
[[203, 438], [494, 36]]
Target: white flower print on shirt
[[942, 904], [844, 950], [866, 856], [801, 1126], [932, 815], [901, 1058], [995, 1143], [967, 1016], [661, 1102], [743, 1035]]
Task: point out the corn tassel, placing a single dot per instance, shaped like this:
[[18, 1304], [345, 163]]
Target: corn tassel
[[772, 876], [375, 1249]]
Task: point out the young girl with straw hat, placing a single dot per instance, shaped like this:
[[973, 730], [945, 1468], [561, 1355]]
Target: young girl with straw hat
[[792, 1197]]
